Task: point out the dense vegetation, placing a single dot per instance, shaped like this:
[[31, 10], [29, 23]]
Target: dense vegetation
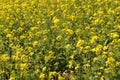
[[59, 39]]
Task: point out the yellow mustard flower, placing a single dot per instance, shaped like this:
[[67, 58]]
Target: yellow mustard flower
[[94, 39], [102, 78], [67, 46], [11, 78], [44, 69], [80, 43], [95, 59], [59, 37], [117, 63], [86, 65], [42, 76], [77, 31], [5, 57], [114, 35], [110, 61], [105, 47], [56, 20], [22, 37], [35, 43], [60, 77], [23, 66], [9, 35], [69, 32], [77, 67], [51, 74]]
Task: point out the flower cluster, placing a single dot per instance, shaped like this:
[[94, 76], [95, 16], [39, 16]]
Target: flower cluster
[[59, 39]]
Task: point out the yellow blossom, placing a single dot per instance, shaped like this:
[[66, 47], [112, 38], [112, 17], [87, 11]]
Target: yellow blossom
[[105, 47], [102, 78], [11, 78], [110, 61], [77, 66], [23, 66], [77, 31], [35, 43], [9, 35], [51, 74], [59, 37], [67, 46], [94, 39], [44, 69], [22, 37], [114, 35], [95, 59], [4, 57], [80, 43], [56, 20], [69, 32], [42, 76], [118, 63], [104, 56], [61, 77]]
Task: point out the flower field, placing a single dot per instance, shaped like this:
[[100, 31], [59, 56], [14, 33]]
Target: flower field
[[59, 39]]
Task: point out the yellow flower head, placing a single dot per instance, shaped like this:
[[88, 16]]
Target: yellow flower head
[[9, 35], [95, 59], [61, 77], [110, 61], [4, 57], [114, 35], [35, 43], [44, 69], [67, 46], [56, 20], [94, 39], [77, 31], [51, 74], [105, 47], [42, 76], [118, 63], [80, 43], [23, 66], [69, 32], [77, 67], [59, 37], [11, 78], [22, 37]]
